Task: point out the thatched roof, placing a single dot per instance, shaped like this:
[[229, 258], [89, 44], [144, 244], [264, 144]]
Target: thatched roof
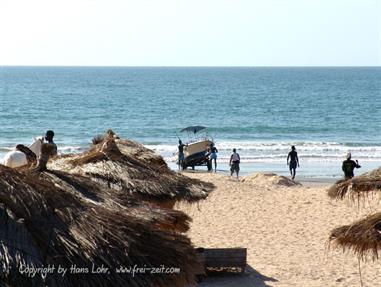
[[162, 218], [130, 167], [362, 237], [358, 186], [61, 219]]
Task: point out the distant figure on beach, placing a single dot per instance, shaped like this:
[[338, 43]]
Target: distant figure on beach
[[48, 149], [349, 165], [181, 154], [293, 161], [208, 158], [234, 162], [213, 156]]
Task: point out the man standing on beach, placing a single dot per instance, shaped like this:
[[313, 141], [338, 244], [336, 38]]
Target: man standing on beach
[[294, 161], [181, 154], [349, 165], [234, 162], [213, 156]]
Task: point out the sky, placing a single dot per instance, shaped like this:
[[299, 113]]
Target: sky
[[190, 32]]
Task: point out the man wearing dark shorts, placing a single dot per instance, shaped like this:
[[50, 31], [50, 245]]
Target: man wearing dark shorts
[[234, 163], [293, 161], [181, 154]]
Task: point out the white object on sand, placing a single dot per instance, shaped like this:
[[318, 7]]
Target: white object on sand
[[17, 158]]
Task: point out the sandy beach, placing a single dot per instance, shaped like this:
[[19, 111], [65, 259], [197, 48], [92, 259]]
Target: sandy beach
[[285, 228]]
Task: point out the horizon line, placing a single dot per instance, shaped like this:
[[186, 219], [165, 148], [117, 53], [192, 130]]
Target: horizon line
[[181, 66]]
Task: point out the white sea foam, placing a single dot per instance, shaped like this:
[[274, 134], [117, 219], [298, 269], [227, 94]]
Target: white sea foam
[[70, 149], [162, 148], [266, 151], [6, 149], [251, 151], [61, 149]]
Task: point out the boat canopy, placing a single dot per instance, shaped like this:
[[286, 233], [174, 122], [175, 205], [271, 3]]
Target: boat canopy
[[193, 129]]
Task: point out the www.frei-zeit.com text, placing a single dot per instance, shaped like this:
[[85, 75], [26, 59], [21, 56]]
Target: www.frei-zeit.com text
[[33, 271]]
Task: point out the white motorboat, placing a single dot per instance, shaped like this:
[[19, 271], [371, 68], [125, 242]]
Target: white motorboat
[[195, 149]]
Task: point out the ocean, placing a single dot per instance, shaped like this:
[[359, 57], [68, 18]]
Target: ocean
[[324, 112]]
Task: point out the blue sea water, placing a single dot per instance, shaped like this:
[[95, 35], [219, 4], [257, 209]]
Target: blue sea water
[[324, 112]]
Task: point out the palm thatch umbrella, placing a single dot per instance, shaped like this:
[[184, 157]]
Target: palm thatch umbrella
[[363, 237], [130, 167], [45, 223], [162, 218], [358, 186]]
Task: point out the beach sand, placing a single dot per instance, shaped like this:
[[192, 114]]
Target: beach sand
[[285, 229]]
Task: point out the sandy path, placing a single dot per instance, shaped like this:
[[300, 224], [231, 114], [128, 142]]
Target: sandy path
[[285, 230]]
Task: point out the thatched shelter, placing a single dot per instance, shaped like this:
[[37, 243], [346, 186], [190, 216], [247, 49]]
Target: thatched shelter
[[130, 167], [357, 187], [363, 237], [54, 219], [162, 218]]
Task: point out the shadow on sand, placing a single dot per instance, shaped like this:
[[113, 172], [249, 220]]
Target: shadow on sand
[[251, 278]]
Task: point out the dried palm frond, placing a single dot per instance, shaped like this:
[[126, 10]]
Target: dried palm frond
[[357, 187], [362, 237], [134, 169], [62, 219]]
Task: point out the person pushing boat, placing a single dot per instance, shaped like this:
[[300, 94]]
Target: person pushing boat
[[181, 154]]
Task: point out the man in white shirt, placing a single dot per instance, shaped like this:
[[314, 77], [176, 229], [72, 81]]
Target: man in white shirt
[[234, 162]]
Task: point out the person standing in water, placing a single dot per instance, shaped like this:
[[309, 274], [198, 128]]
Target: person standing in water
[[234, 162], [293, 161], [349, 165], [213, 156]]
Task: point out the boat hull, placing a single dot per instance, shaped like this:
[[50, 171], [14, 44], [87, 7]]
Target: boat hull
[[194, 154]]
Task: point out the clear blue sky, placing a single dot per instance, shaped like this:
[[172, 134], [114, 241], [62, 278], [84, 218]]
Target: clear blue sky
[[191, 32]]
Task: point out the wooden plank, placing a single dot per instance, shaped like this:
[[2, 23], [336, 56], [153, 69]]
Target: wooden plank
[[225, 257], [225, 252], [200, 270], [225, 261]]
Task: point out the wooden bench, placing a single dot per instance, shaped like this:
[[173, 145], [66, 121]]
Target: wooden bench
[[222, 258]]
